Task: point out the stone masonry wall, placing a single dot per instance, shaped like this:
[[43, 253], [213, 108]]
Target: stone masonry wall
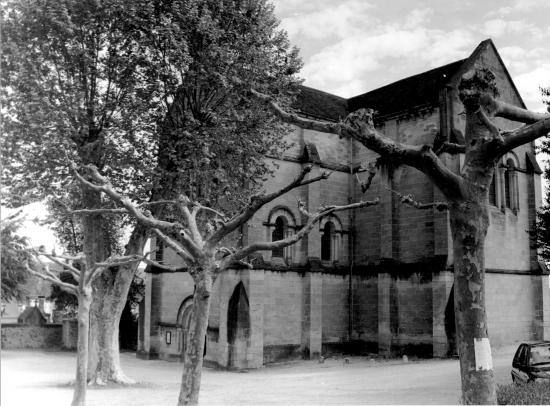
[[411, 313], [391, 229], [513, 307], [21, 336], [335, 308]]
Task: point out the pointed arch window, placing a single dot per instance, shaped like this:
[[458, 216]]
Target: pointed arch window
[[511, 185]]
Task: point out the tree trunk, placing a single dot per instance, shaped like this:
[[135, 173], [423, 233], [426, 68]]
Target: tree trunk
[[469, 223], [84, 302], [192, 364], [104, 354], [111, 293]]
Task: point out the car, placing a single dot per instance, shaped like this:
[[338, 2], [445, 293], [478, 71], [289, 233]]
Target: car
[[531, 362]]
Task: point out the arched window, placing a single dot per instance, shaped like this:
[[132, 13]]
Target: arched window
[[326, 241], [279, 233], [331, 238], [510, 185], [281, 224]]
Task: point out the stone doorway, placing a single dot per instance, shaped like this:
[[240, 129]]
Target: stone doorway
[[450, 326], [238, 328], [183, 323]]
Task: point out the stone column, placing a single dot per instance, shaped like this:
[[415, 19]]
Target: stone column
[[313, 238], [256, 295], [384, 315], [442, 283], [312, 314], [149, 318]]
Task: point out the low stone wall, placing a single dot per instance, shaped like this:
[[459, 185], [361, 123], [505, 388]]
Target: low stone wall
[[23, 336]]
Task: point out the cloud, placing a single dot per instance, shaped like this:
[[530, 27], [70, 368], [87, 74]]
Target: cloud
[[418, 17], [331, 21], [529, 85], [522, 6], [498, 27], [520, 59], [353, 58]]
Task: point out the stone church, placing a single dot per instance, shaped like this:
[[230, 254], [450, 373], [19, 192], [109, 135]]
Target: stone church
[[379, 279]]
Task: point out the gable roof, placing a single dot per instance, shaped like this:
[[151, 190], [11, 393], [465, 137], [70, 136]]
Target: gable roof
[[414, 91], [315, 103], [32, 314], [471, 61], [421, 90]]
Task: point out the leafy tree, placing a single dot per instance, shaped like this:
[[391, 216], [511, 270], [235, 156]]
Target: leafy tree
[[86, 80], [83, 270], [542, 237], [13, 255], [151, 93], [466, 195]]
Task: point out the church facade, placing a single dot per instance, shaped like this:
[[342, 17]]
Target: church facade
[[379, 279]]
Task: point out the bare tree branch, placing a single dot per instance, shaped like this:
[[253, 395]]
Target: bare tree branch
[[490, 125], [147, 220], [257, 201], [198, 207], [54, 279], [359, 126], [119, 261], [91, 212], [161, 266], [73, 271], [190, 219], [420, 157], [292, 118], [409, 200], [511, 112], [175, 246], [271, 245], [524, 135], [117, 210], [451, 148], [371, 168]]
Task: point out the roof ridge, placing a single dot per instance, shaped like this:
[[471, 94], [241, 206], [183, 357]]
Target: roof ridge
[[411, 77]]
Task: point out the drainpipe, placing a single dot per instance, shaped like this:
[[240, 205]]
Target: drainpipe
[[351, 240]]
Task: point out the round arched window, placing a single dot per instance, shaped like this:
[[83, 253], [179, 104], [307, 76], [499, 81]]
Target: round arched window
[[279, 233], [326, 241]]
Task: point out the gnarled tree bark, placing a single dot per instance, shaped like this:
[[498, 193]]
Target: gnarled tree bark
[[194, 352]]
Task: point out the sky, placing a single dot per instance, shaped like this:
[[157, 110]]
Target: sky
[[32, 218], [353, 46]]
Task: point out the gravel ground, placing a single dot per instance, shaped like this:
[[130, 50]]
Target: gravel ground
[[42, 378]]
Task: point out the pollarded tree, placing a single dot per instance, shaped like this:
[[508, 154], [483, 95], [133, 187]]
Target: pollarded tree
[[83, 270], [83, 79], [467, 200], [198, 240]]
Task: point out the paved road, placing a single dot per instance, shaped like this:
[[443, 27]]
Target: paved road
[[35, 377]]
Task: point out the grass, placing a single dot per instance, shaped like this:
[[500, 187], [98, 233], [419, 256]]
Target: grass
[[533, 393]]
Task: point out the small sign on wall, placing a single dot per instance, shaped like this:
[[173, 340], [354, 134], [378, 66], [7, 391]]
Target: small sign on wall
[[168, 337]]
